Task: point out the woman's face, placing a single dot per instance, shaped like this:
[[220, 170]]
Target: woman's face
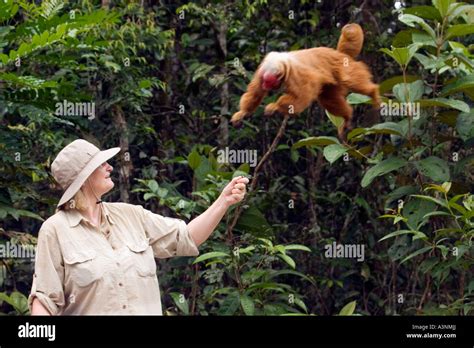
[[100, 179]]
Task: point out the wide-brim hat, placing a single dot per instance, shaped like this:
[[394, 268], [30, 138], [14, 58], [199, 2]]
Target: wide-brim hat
[[75, 163]]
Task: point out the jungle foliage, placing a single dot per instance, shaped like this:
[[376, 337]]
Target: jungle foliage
[[165, 79]]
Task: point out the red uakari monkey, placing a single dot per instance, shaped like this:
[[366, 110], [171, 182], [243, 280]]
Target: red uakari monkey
[[319, 74]]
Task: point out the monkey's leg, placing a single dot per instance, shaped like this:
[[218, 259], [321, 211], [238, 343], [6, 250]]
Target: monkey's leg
[[360, 81], [333, 99], [250, 100]]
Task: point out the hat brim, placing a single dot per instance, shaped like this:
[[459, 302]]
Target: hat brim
[[94, 163]]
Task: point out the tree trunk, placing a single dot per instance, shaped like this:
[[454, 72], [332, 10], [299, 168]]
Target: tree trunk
[[223, 137], [125, 161]]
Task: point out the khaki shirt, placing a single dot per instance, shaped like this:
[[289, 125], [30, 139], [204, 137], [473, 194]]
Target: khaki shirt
[[81, 270]]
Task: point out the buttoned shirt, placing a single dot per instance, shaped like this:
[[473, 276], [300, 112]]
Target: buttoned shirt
[[83, 269]]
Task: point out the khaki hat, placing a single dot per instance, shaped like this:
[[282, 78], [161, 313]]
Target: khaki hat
[[75, 162]]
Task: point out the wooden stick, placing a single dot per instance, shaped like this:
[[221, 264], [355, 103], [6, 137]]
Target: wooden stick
[[253, 183]]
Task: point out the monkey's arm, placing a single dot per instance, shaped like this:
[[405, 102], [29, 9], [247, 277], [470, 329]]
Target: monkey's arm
[[251, 99]]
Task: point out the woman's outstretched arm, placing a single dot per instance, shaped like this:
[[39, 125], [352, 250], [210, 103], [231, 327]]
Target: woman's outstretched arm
[[202, 226]]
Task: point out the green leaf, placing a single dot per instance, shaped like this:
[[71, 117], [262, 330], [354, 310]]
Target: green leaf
[[181, 302], [411, 20], [388, 84], [248, 306], [300, 304], [409, 92], [458, 10], [194, 160], [461, 84], [416, 253], [386, 128], [432, 199], [230, 305], [465, 125], [426, 12], [435, 168], [382, 168], [275, 274], [334, 152], [335, 119], [415, 210], [349, 308], [356, 98], [315, 141], [297, 247], [459, 30], [446, 103], [252, 220], [211, 255], [288, 260], [442, 6], [399, 233]]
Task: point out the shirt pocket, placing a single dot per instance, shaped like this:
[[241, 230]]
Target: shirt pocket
[[142, 258], [82, 265]]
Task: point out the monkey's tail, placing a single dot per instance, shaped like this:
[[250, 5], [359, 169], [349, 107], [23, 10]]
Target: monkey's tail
[[351, 40]]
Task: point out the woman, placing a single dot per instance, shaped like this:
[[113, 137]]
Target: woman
[[95, 257]]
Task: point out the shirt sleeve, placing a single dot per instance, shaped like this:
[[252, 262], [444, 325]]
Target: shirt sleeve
[[168, 236], [48, 278]]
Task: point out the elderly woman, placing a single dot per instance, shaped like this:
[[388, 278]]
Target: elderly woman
[[95, 257]]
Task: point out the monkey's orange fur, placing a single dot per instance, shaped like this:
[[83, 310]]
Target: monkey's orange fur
[[319, 74]]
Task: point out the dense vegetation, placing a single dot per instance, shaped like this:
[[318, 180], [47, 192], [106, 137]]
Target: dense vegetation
[[165, 79]]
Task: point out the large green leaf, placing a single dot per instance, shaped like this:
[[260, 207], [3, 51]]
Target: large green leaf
[[382, 168], [426, 12], [461, 84], [211, 255], [348, 309], [230, 304], [411, 20], [252, 220], [336, 120], [386, 128], [409, 92], [435, 168], [442, 6], [334, 152], [415, 210], [402, 55], [460, 30], [181, 302], [388, 84], [446, 103], [416, 253], [465, 125], [194, 159], [356, 98], [315, 141], [399, 233], [288, 260], [248, 305]]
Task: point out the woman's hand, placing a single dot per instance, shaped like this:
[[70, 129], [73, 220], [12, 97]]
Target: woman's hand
[[235, 190], [202, 226]]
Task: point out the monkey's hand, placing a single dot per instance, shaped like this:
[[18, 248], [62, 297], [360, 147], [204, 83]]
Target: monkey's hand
[[238, 117]]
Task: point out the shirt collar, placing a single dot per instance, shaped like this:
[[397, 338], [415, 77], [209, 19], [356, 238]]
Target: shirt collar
[[75, 217]]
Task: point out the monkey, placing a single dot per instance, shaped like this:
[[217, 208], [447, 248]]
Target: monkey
[[321, 74]]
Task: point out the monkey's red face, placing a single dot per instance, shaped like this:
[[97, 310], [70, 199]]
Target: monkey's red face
[[270, 81]]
